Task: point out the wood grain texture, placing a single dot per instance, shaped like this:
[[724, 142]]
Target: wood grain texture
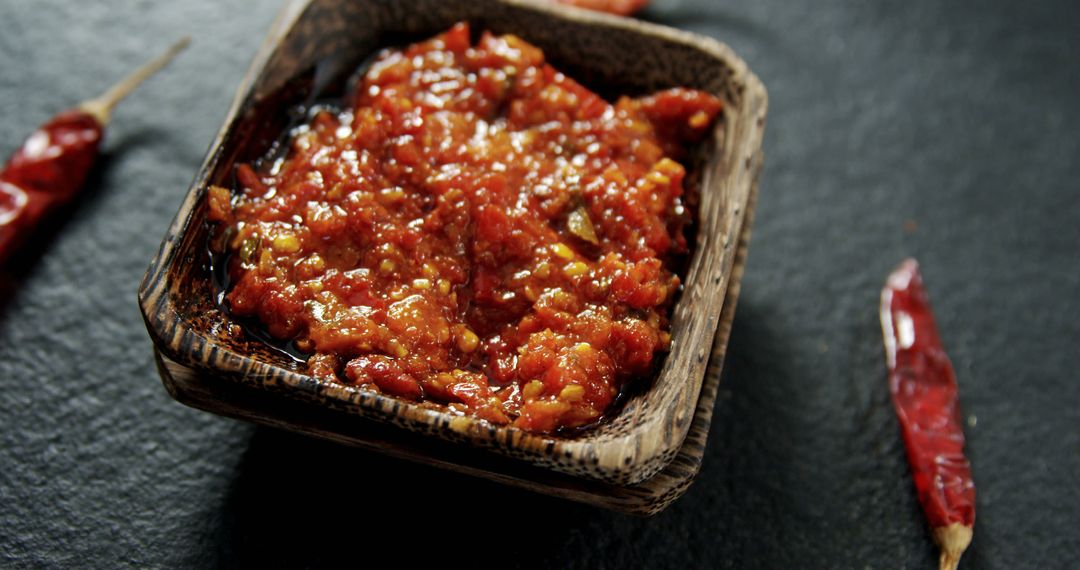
[[325, 38]]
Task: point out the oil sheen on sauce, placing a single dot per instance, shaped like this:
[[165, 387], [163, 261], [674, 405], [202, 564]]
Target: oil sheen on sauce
[[473, 229]]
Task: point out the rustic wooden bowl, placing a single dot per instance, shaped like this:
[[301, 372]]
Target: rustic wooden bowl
[[313, 44]]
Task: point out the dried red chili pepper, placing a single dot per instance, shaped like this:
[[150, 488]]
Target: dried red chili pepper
[[925, 395], [621, 7], [51, 166]]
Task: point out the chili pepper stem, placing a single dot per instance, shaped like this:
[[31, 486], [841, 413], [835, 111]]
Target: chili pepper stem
[[953, 540], [101, 106]]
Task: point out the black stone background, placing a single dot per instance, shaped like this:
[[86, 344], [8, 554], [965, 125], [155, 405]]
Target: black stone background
[[941, 129]]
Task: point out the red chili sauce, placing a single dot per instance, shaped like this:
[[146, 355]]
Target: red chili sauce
[[477, 230]]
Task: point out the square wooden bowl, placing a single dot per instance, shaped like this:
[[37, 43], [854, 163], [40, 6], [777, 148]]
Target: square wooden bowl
[[625, 463]]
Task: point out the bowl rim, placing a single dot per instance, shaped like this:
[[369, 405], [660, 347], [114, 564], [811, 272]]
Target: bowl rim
[[624, 458]]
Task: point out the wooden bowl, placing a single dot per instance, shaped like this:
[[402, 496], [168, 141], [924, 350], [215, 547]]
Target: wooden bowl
[[313, 44]]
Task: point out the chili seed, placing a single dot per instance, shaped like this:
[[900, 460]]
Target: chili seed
[[390, 195], [658, 178], [572, 393], [396, 348], [316, 261], [249, 248], [286, 243], [532, 390], [561, 250], [266, 263], [467, 341], [575, 268], [699, 120]]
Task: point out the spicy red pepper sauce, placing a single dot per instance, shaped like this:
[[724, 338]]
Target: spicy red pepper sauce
[[476, 230]]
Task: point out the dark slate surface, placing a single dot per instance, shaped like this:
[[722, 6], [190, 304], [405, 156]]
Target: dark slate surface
[[944, 130]]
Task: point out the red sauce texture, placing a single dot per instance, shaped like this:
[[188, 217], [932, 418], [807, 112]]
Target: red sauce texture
[[475, 230]]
